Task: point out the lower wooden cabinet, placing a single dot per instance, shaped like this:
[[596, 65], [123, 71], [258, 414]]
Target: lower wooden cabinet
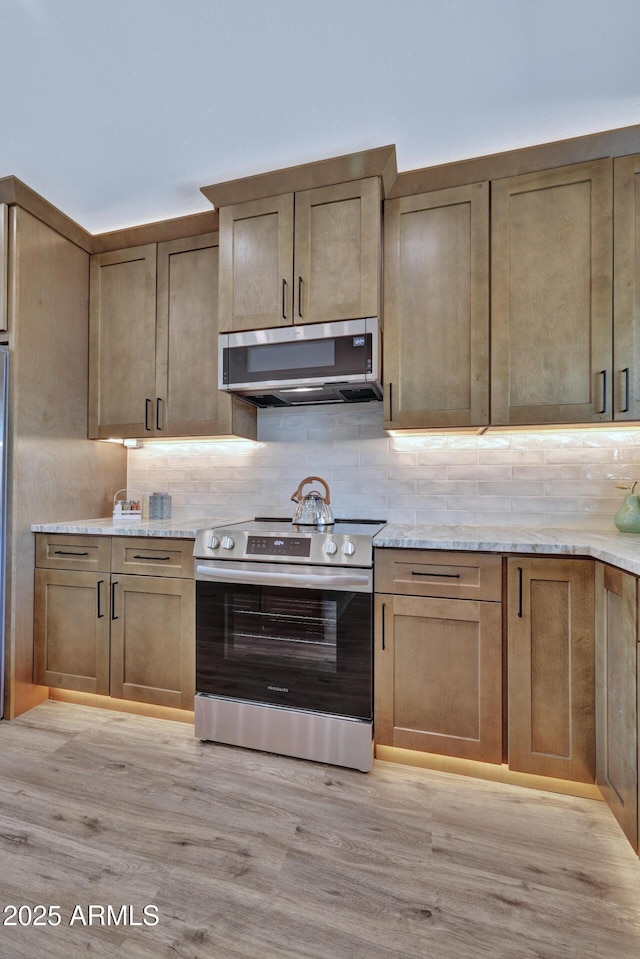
[[153, 640], [112, 633], [438, 676], [616, 696], [551, 667], [72, 630], [438, 652]]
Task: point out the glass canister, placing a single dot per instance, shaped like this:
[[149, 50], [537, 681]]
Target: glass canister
[[159, 506]]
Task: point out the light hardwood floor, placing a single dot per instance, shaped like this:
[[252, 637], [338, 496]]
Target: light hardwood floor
[[254, 856]]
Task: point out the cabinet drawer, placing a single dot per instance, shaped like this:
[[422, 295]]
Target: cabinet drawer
[[152, 557], [421, 572], [68, 551]]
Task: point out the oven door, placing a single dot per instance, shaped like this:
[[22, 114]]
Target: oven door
[[286, 636]]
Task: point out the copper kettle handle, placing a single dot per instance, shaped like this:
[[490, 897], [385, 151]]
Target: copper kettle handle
[[310, 479]]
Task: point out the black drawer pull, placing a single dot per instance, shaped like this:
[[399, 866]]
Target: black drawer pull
[[64, 552], [520, 592], [100, 613], [603, 374], [626, 390], [414, 572], [155, 559]]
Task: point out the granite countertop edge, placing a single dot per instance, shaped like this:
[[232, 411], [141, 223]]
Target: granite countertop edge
[[617, 549], [158, 528]]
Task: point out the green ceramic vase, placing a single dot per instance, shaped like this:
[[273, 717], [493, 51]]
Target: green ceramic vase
[[627, 519]]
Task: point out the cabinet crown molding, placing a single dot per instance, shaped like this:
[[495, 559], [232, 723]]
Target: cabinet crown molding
[[380, 161]]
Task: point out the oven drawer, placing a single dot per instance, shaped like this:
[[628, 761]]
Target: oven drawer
[[147, 556], [452, 574], [71, 551]]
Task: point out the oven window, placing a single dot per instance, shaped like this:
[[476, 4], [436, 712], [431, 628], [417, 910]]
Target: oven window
[[264, 626], [305, 648]]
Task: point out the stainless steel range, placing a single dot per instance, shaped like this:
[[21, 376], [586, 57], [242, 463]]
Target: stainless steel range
[[284, 649]]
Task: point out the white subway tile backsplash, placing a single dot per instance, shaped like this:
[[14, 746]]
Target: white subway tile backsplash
[[556, 478]]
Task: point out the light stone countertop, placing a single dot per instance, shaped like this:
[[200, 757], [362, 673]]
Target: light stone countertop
[[165, 528], [618, 549]]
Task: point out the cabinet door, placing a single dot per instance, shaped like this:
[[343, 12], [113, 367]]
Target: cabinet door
[[626, 293], [256, 264], [551, 667], [616, 707], [152, 640], [551, 283], [436, 293], [71, 631], [337, 252], [188, 402], [122, 343], [438, 676], [4, 266]]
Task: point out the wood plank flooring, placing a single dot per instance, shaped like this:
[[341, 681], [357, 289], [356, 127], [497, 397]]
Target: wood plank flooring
[[254, 856]]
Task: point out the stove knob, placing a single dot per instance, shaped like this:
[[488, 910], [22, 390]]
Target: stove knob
[[213, 542], [227, 542], [348, 548], [331, 547]]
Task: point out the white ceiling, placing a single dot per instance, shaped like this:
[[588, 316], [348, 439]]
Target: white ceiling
[[118, 111]]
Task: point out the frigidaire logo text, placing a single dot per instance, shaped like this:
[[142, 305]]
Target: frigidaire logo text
[[278, 689]]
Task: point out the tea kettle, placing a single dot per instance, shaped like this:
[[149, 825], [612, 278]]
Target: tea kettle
[[312, 509]]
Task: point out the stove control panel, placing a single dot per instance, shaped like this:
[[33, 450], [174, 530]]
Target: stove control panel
[[278, 546], [287, 544]]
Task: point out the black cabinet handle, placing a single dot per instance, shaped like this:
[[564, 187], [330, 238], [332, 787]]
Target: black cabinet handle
[[158, 420], [414, 572], [520, 592], [284, 298], [147, 409], [383, 609], [156, 559], [626, 390], [64, 552], [113, 600], [300, 297], [390, 401], [99, 591], [603, 374]]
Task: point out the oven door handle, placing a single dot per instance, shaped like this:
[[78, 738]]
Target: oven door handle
[[342, 580]]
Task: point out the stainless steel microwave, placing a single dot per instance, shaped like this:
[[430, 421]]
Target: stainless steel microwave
[[303, 365]]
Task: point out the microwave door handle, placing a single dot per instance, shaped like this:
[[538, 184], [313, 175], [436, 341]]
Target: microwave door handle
[[342, 580]]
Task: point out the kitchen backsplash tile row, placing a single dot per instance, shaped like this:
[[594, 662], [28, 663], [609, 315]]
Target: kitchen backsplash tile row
[[562, 478]]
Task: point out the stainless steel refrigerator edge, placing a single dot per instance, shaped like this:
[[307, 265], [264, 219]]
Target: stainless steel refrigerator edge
[[4, 391]]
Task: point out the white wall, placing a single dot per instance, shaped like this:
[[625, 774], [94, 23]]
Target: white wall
[[119, 112], [549, 478]]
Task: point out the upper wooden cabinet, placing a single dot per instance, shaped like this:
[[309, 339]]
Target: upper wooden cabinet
[[551, 293], [153, 344], [122, 363], [626, 292], [308, 257], [436, 309], [4, 266]]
